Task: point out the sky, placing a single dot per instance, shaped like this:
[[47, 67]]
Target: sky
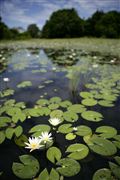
[[21, 13]]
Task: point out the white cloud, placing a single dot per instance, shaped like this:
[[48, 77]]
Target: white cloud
[[38, 11]]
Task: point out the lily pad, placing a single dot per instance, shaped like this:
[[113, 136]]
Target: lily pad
[[78, 151], [10, 102], [44, 111], [56, 114], [69, 167], [2, 137], [92, 116], [65, 104], [38, 129], [76, 108], [102, 146], [86, 94], [65, 128], [70, 136], [54, 175], [42, 102], [9, 132], [43, 175], [4, 120], [53, 106], [7, 92], [27, 169], [109, 97], [70, 116], [18, 131], [53, 154], [102, 174], [106, 131], [115, 169], [20, 141], [24, 84], [83, 130], [89, 102], [55, 100], [106, 103]]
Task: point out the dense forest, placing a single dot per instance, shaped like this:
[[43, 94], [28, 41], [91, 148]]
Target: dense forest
[[66, 23]]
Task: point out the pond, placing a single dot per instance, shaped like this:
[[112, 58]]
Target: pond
[[72, 97]]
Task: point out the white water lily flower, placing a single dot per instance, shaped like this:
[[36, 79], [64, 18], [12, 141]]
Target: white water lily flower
[[54, 121], [95, 65], [34, 143], [45, 137], [75, 128], [6, 79]]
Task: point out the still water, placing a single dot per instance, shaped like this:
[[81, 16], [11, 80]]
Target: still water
[[64, 74]]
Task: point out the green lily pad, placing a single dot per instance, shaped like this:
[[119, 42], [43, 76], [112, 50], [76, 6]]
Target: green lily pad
[[92, 116], [65, 104], [83, 130], [20, 105], [78, 151], [27, 169], [38, 129], [18, 131], [10, 102], [117, 141], [117, 159], [86, 94], [70, 136], [106, 131], [53, 106], [65, 128], [54, 175], [117, 137], [9, 132], [43, 175], [106, 103], [115, 169], [53, 154], [109, 97], [55, 100], [56, 114], [7, 92], [70, 116], [44, 111], [24, 84], [69, 167], [76, 108], [4, 120], [2, 137], [42, 102], [89, 102], [20, 141], [102, 146], [102, 174]]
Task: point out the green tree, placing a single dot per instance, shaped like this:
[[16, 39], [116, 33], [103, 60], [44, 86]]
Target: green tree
[[4, 31], [109, 25], [90, 24], [33, 30], [63, 23]]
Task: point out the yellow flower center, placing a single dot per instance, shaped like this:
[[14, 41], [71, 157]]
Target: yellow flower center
[[34, 145]]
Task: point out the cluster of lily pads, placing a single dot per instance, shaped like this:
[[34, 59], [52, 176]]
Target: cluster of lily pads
[[61, 117], [55, 117]]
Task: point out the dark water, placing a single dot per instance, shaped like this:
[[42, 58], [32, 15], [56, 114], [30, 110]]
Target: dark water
[[59, 86]]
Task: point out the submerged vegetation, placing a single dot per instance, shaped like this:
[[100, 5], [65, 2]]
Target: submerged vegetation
[[59, 112]]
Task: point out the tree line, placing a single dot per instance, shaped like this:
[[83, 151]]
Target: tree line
[[66, 23]]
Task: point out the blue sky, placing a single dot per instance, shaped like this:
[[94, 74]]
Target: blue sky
[[24, 12]]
